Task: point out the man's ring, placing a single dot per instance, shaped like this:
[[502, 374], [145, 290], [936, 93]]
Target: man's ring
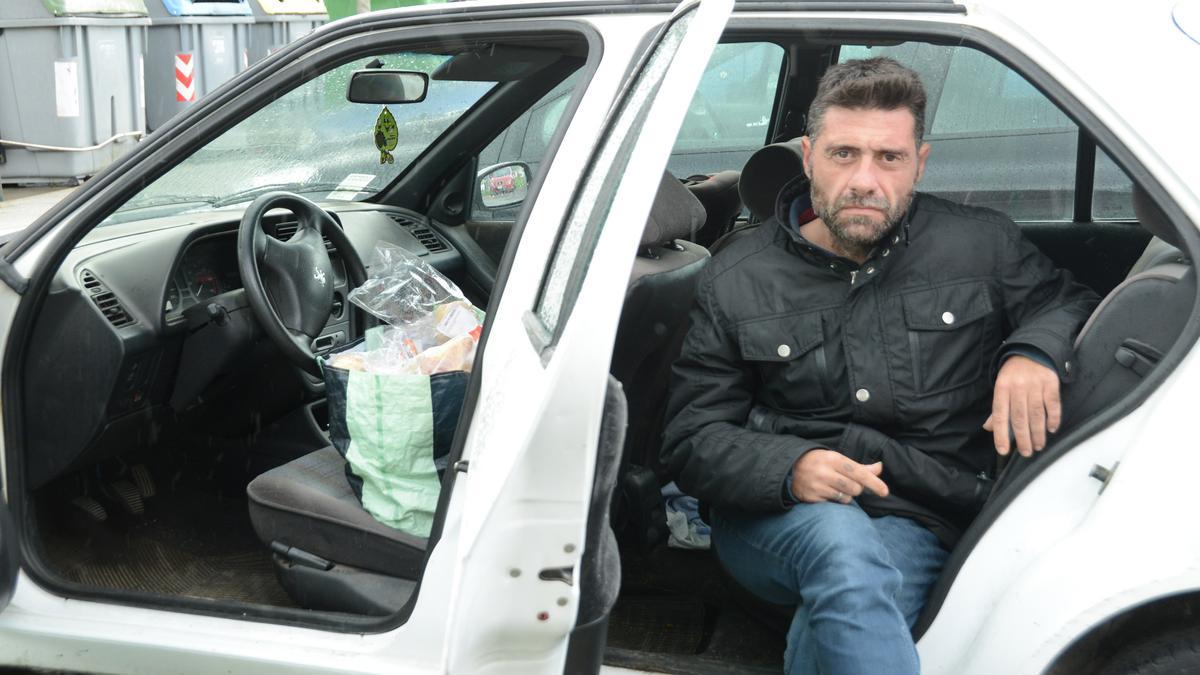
[[840, 496]]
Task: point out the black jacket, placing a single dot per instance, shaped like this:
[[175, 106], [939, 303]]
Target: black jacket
[[792, 348]]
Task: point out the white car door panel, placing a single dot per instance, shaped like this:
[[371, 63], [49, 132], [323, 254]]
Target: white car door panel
[[527, 495]]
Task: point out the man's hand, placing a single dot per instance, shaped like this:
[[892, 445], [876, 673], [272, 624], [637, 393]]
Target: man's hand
[[1026, 397], [828, 476]]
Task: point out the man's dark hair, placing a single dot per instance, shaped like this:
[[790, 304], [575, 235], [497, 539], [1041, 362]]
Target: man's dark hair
[[878, 83]]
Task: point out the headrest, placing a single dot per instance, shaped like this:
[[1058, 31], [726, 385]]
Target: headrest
[[765, 174], [720, 185], [1152, 218], [676, 213]]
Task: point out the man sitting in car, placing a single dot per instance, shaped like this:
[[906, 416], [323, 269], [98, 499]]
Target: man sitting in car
[[844, 367]]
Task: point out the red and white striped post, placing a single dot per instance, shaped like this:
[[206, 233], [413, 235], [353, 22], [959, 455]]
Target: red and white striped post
[[185, 78]]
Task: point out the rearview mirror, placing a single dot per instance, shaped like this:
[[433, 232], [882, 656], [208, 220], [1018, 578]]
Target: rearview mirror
[[387, 86], [504, 184]]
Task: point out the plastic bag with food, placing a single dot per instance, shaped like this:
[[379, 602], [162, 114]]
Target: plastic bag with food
[[395, 396], [402, 289]]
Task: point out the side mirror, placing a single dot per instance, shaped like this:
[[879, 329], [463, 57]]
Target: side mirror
[[502, 185], [387, 86], [10, 556]]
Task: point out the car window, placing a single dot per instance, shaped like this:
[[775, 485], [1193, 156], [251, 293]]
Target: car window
[[995, 140], [728, 120], [730, 113], [577, 241], [312, 141], [1112, 197]]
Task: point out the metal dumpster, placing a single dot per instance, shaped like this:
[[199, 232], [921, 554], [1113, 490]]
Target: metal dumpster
[[192, 47], [70, 86], [278, 22]]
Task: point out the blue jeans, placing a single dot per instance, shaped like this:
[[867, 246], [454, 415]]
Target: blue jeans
[[864, 581]]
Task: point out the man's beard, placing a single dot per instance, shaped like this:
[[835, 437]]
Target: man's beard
[[858, 242]]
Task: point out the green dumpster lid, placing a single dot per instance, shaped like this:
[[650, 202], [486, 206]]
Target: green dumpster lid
[[293, 6], [74, 7]]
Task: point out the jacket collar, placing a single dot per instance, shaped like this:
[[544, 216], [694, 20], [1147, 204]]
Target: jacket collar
[[794, 199]]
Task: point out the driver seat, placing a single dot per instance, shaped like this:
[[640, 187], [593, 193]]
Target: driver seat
[[330, 553]]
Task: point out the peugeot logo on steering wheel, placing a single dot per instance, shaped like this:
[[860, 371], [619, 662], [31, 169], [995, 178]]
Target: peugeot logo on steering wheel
[[319, 275]]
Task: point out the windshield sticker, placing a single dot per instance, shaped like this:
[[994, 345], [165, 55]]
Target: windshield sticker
[[386, 136], [350, 186]]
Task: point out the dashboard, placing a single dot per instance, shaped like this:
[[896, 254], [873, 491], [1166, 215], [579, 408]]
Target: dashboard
[[119, 329]]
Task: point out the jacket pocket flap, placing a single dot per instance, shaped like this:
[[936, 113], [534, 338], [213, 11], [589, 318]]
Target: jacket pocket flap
[[947, 307], [780, 338]]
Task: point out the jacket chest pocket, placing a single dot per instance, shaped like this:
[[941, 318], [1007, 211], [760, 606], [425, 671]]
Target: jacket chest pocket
[[950, 335], [789, 356]]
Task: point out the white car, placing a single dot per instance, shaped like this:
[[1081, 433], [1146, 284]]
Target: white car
[[171, 502]]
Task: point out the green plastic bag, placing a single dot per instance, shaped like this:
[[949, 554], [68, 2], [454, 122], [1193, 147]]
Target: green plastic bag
[[395, 431]]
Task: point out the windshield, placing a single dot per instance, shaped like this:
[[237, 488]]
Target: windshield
[[310, 141]]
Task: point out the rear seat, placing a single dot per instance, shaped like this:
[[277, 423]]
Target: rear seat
[[718, 194], [1135, 325]]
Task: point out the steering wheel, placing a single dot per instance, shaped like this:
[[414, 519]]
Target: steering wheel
[[289, 284]]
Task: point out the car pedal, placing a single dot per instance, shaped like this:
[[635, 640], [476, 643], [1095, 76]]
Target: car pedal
[[128, 495], [90, 507], [144, 481]]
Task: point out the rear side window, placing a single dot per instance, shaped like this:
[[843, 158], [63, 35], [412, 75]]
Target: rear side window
[[1112, 198], [995, 140]]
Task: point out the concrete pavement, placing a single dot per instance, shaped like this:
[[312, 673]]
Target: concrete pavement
[[22, 206]]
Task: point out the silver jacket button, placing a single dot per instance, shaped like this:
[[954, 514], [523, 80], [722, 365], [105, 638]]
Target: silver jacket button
[[862, 395], [947, 318], [784, 351]]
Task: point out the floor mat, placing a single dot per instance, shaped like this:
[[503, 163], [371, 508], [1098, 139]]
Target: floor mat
[[186, 544], [677, 614], [658, 623]]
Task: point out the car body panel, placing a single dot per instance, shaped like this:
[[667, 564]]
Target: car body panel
[[526, 502], [1061, 559]]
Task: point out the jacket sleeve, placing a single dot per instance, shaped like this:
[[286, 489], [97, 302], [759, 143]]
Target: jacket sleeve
[[913, 475], [706, 445], [1044, 306]]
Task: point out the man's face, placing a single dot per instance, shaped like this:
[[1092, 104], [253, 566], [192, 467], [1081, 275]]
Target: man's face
[[863, 168]]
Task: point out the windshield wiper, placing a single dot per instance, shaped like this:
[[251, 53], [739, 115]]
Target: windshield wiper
[[165, 200], [250, 193]]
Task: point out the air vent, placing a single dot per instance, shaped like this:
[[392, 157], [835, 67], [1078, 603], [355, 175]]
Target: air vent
[[286, 229], [403, 221], [429, 240], [105, 300]]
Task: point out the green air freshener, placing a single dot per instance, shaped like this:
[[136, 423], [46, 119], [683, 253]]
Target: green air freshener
[[386, 136]]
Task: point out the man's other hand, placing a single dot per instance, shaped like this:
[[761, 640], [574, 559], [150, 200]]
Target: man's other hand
[[828, 476], [1026, 397]]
